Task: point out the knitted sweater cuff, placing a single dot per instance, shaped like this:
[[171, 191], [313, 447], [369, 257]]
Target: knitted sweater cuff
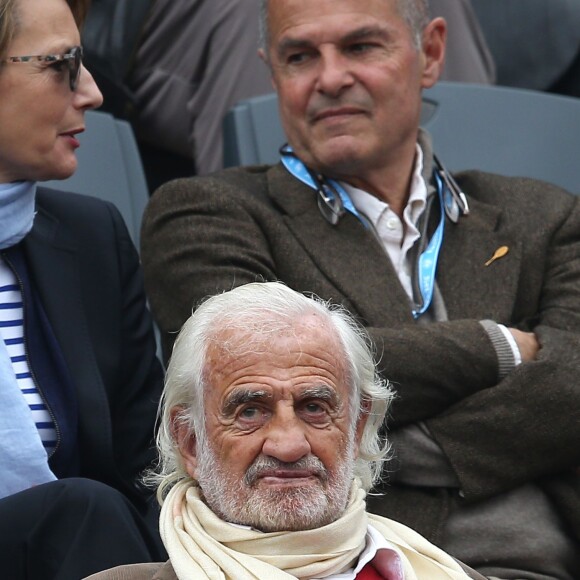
[[503, 349]]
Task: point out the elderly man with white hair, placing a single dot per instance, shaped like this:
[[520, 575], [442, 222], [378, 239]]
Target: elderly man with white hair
[[269, 441]]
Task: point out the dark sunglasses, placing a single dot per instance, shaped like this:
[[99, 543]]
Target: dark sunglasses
[[73, 59]]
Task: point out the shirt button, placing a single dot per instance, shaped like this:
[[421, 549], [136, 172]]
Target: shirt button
[[392, 223]]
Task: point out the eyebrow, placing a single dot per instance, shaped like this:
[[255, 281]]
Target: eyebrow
[[241, 397], [290, 44], [244, 396], [59, 47], [364, 32], [322, 392]]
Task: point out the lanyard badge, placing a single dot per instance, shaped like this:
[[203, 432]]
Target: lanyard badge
[[334, 201]]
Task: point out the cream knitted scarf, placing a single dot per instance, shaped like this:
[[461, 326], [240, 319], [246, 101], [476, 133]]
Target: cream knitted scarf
[[202, 546]]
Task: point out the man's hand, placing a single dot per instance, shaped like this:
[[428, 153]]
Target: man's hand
[[527, 343]]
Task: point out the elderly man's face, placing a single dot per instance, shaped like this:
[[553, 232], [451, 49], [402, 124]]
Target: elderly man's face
[[280, 436], [349, 82]]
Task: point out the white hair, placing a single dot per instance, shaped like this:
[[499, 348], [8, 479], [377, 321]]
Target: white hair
[[258, 310]]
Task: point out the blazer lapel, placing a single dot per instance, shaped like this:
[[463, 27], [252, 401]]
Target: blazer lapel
[[347, 254], [352, 259], [53, 263], [469, 286]]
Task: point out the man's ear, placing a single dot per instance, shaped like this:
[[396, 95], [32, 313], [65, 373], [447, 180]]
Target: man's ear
[[185, 439], [361, 423], [262, 54], [433, 48]]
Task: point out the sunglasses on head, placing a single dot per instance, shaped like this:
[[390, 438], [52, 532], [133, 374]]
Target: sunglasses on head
[[73, 60]]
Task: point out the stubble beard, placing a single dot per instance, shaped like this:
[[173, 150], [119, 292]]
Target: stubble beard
[[272, 510]]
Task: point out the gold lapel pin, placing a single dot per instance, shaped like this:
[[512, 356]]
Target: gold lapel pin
[[499, 253]]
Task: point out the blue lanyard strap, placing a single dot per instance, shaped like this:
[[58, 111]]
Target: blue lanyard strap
[[427, 265], [301, 172], [427, 262]]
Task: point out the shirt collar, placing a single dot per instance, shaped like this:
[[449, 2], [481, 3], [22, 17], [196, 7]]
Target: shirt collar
[[374, 208]]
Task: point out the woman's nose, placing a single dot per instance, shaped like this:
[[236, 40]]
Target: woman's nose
[[87, 94]]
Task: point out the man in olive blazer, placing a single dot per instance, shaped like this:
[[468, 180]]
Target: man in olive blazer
[[487, 419]]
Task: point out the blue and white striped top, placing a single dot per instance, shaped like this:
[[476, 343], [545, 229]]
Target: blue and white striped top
[[12, 332]]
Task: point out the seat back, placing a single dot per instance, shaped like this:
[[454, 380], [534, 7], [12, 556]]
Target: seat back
[[498, 129], [253, 133], [110, 168], [504, 130]]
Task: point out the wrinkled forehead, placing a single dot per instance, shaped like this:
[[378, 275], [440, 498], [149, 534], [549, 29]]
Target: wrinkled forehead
[[274, 337], [256, 332], [304, 23], [284, 14]]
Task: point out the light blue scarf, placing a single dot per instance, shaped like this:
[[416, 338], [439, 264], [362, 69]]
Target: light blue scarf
[[16, 211], [23, 459]]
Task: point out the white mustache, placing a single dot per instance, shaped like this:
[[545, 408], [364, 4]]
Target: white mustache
[[263, 463]]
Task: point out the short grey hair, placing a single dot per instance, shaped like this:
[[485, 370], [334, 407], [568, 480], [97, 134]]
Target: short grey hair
[[257, 310], [414, 12]]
